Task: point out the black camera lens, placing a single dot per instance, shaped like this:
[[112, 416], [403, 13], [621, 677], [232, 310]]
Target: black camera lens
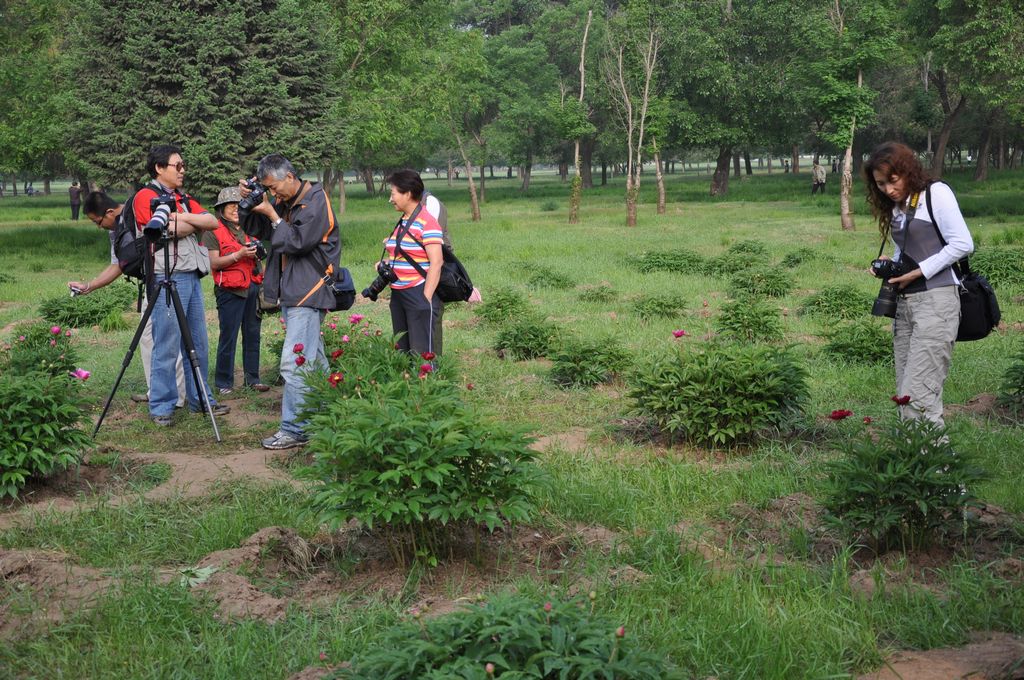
[[253, 199], [885, 303]]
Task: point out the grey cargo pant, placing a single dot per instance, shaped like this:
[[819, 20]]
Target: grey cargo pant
[[923, 334]]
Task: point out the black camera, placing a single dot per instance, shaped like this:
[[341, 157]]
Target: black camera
[[885, 302], [253, 199], [261, 250], [385, 275], [161, 206]]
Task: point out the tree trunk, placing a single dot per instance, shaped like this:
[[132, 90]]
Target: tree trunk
[[746, 159], [846, 182], [769, 164], [368, 180], [342, 194], [981, 169], [659, 177], [632, 194], [736, 164], [527, 171], [14, 186], [604, 173], [46, 187], [474, 204], [451, 170], [795, 159], [1001, 159], [720, 179], [951, 114], [586, 162], [563, 171]]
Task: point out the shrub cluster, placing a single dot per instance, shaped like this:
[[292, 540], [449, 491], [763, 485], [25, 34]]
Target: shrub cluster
[[503, 306], [1002, 265], [680, 260], [723, 395], [864, 341], [41, 434], [602, 292], [768, 281], [838, 302], [395, 447], [901, 490], [542, 276], [799, 256], [659, 306], [584, 363], [1011, 392], [510, 636], [38, 348], [750, 319], [88, 310], [528, 338]]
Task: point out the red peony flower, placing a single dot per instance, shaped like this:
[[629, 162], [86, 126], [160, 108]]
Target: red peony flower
[[620, 632], [867, 420], [337, 353], [679, 333], [901, 401], [839, 414], [470, 386], [547, 607], [335, 378], [299, 360], [298, 348], [426, 368], [429, 356]]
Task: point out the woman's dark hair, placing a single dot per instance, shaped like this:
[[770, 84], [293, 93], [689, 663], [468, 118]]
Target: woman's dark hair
[[407, 181], [160, 155], [892, 158], [98, 203]]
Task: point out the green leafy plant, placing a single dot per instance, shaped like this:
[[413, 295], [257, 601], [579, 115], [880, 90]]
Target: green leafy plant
[[659, 306], [1014, 236], [87, 310], [542, 276], [838, 302], [41, 434], [1011, 391], [408, 458], [864, 341], [548, 206], [769, 281], [799, 256], [749, 319], [528, 338], [38, 347], [583, 363], [7, 278], [503, 306], [900, 490], [722, 395], [113, 321], [602, 292], [1002, 265], [748, 247], [510, 636], [679, 261]]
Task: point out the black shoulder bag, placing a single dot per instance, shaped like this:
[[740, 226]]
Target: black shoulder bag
[[979, 310], [454, 284]]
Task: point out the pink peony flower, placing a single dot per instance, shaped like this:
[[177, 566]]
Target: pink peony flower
[[344, 338], [489, 669], [620, 632], [81, 374], [67, 333], [333, 326], [21, 338], [323, 656], [547, 607], [299, 360], [355, 318], [840, 414], [55, 330], [680, 333], [53, 343], [298, 348]]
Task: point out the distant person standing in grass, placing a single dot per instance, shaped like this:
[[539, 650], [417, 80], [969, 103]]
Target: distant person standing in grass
[[817, 177], [928, 305], [75, 193]]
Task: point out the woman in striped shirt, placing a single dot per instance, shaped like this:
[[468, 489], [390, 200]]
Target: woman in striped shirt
[[414, 253]]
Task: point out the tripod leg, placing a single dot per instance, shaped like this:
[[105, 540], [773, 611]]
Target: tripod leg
[[193, 359], [127, 359]]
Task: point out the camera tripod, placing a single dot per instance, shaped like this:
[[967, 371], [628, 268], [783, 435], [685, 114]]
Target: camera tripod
[[168, 287]]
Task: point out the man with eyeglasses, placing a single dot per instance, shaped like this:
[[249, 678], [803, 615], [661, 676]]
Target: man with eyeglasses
[[188, 262], [106, 213]]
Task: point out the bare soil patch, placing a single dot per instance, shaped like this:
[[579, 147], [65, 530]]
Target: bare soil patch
[[572, 441], [77, 482], [989, 656]]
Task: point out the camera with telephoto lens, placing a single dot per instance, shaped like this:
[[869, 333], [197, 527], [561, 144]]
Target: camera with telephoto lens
[[885, 303], [161, 206], [253, 199], [385, 275]]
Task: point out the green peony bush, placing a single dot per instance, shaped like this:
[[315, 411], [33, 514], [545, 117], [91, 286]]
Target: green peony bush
[[838, 302], [41, 433], [88, 310], [661, 305], [510, 636], [750, 319], [678, 261], [503, 306], [864, 341], [723, 395], [1011, 391], [767, 281], [584, 363], [36, 347], [901, 488], [528, 338]]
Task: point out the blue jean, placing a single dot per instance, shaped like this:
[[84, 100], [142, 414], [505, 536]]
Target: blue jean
[[238, 313], [302, 326], [167, 342]]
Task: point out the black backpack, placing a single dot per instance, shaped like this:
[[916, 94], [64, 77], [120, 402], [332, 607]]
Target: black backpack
[[130, 248]]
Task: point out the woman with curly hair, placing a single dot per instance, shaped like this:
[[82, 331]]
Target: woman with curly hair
[[905, 202]]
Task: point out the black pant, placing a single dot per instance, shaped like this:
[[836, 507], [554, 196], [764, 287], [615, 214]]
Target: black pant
[[816, 186], [74, 210], [414, 315]]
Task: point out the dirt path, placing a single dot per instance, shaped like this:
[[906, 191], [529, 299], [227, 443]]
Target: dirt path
[[989, 656], [191, 476]]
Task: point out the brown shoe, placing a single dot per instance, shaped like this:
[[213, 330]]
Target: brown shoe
[[259, 387]]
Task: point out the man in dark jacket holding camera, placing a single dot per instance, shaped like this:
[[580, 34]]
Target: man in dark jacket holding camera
[[187, 262], [304, 249]]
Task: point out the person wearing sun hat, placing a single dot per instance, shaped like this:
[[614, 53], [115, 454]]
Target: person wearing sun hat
[[237, 275]]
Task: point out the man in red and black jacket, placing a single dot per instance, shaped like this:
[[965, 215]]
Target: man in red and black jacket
[[187, 262]]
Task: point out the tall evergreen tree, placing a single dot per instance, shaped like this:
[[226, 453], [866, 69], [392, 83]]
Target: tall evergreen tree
[[228, 80]]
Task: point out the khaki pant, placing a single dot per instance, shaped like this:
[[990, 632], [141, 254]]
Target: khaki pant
[[923, 334]]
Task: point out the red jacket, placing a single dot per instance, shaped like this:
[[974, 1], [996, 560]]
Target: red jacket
[[238, 275]]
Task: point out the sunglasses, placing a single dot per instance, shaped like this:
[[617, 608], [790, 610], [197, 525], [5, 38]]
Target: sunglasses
[[179, 166]]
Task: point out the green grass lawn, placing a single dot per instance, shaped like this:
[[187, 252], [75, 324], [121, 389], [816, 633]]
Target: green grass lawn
[[755, 621]]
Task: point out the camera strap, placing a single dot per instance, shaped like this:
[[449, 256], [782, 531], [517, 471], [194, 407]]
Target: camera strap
[[400, 233], [962, 267]]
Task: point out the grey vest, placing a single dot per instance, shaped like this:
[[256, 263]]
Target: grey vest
[[919, 241]]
